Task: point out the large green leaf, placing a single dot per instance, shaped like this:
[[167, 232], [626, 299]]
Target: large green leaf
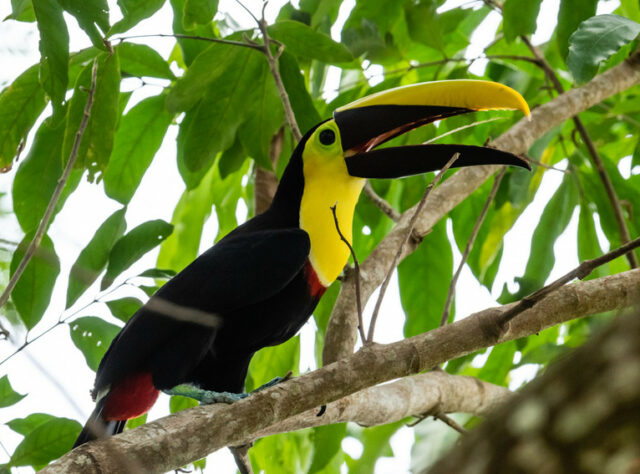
[[8, 396], [265, 119], [130, 248], [282, 454], [26, 425], [188, 49], [424, 281], [229, 99], [92, 336], [303, 41], [271, 362], [54, 50], [21, 10], [38, 175], [520, 17], [189, 216], [46, 442], [133, 12], [91, 15], [554, 220], [327, 441], [497, 367], [137, 140], [94, 257], [97, 141], [375, 441], [571, 14], [306, 114], [20, 105], [198, 12], [32, 293], [141, 60], [588, 245], [595, 40]]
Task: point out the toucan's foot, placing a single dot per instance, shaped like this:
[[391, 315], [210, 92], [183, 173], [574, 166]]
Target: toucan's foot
[[273, 382], [206, 397]]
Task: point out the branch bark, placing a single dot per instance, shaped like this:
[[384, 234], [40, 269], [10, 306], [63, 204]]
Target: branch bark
[[191, 434], [580, 416], [341, 331]]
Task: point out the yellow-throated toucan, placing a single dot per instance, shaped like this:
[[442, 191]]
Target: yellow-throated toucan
[[259, 284]]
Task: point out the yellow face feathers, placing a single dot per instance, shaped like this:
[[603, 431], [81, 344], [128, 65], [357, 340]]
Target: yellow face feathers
[[327, 183]]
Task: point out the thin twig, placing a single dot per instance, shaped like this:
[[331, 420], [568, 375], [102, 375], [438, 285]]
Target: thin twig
[[625, 237], [378, 201], [581, 271], [257, 47], [409, 231], [241, 456], [44, 223], [469, 246], [357, 269], [275, 72], [450, 422]]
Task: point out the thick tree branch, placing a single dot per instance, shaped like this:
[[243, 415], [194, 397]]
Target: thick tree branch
[[48, 213], [191, 434], [341, 331], [580, 416]]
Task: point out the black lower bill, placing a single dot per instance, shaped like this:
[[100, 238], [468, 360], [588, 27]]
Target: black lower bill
[[416, 159]]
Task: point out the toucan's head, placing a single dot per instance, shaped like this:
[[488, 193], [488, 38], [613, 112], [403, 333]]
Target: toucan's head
[[333, 158]]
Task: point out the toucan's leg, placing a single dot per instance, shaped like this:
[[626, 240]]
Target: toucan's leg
[[205, 396]]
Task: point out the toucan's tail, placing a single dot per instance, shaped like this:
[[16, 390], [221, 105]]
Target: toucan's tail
[[97, 427]]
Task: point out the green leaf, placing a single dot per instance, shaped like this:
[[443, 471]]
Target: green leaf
[[137, 140], [54, 50], [274, 361], [141, 60], [130, 248], [189, 216], [424, 278], [375, 441], [303, 41], [32, 293], [588, 245], [178, 403], [21, 10], [327, 441], [500, 361], [24, 426], [264, 121], [8, 396], [198, 12], [94, 257], [124, 308], [97, 141], [306, 114], [47, 442], [20, 105], [158, 273], [227, 102], [189, 49], [90, 15], [282, 454], [133, 12], [38, 175], [520, 17], [571, 14], [595, 40], [133, 423], [554, 220], [92, 336]]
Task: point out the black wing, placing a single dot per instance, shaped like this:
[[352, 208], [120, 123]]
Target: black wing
[[236, 272]]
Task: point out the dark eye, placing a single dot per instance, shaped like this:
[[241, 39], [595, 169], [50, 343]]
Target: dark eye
[[327, 137]]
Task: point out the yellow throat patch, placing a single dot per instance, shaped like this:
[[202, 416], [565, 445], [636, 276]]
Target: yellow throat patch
[[327, 183]]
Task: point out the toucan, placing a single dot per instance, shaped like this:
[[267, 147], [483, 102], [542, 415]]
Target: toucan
[[259, 284]]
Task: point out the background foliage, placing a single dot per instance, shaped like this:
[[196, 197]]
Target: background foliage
[[224, 103]]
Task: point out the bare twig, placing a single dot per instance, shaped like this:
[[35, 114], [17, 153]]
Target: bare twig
[[450, 422], [580, 272], [44, 223], [409, 231], [357, 270], [241, 457], [625, 237], [378, 201], [257, 47], [469, 246]]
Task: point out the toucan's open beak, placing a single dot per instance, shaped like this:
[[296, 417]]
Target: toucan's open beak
[[375, 119]]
